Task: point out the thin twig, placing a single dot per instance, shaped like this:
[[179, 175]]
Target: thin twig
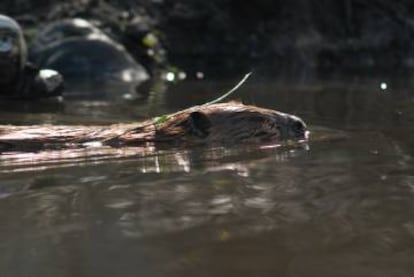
[[239, 84], [163, 118]]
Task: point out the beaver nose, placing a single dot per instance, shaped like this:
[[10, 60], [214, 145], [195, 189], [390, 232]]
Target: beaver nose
[[298, 127]]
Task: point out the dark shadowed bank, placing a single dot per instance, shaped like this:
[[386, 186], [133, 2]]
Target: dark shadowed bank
[[291, 39]]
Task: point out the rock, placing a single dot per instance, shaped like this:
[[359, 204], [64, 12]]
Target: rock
[[287, 39], [85, 56]]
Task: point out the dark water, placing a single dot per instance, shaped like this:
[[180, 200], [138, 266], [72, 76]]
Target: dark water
[[341, 205]]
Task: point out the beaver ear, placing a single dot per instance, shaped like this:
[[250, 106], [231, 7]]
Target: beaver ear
[[200, 124]]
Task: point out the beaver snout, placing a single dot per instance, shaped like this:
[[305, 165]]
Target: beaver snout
[[297, 128]]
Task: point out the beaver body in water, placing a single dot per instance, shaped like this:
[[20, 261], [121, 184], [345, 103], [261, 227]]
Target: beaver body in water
[[217, 123]]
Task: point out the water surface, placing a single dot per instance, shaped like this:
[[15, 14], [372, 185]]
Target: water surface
[[340, 205]]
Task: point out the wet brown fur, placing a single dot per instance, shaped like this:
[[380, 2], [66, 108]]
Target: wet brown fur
[[224, 122]]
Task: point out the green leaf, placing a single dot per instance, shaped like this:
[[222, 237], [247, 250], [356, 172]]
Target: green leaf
[[160, 119]]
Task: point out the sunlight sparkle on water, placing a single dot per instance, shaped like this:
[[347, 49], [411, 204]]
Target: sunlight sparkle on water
[[170, 77], [182, 75], [92, 144], [200, 75], [127, 96]]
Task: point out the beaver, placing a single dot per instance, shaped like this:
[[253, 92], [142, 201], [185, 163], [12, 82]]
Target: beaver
[[229, 122]]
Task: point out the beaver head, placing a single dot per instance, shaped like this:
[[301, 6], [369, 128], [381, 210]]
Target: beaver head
[[229, 122]]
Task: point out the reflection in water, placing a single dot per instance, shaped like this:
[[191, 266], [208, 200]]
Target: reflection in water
[[234, 211], [341, 207], [151, 158]]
